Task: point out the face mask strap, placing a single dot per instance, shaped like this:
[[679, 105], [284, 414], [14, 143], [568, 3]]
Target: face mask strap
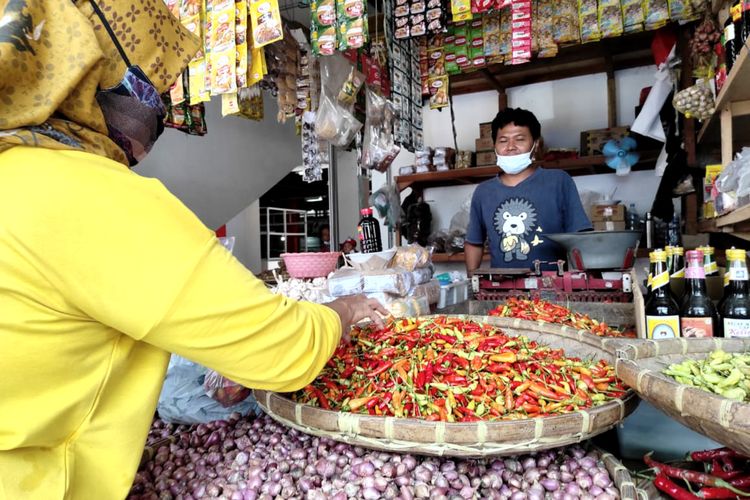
[[112, 35]]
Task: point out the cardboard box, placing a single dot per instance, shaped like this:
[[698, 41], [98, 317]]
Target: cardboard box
[[592, 141], [486, 158], [484, 144], [485, 130], [609, 226], [601, 213]]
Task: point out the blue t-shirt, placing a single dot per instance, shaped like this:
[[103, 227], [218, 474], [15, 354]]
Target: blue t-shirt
[[515, 219]]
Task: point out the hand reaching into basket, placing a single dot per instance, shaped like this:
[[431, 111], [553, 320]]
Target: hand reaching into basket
[[356, 308]]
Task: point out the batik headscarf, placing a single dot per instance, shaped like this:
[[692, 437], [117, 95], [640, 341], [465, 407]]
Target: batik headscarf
[[55, 55]]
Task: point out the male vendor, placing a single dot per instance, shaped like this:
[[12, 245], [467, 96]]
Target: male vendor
[[515, 210]]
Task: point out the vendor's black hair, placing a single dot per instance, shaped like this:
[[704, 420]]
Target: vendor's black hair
[[519, 117]]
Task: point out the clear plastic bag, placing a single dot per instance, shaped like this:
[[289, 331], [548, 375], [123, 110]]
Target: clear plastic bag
[[396, 281], [696, 101], [387, 201], [184, 401], [422, 275], [345, 282], [224, 391], [411, 257], [379, 148]]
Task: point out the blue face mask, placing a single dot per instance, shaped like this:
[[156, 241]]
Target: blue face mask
[[133, 109]]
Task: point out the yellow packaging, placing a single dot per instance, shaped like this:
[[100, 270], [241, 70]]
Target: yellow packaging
[[265, 21], [229, 104], [588, 21], [461, 10], [241, 42], [712, 172], [223, 54], [663, 327]]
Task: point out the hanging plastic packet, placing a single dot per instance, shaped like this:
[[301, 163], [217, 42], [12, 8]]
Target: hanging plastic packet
[[378, 146], [656, 13], [565, 22], [461, 10], [632, 16], [313, 170], [491, 35], [230, 104], [610, 18], [348, 94], [436, 63], [588, 20], [461, 43], [476, 44], [223, 51], [439, 92], [351, 17], [520, 31], [482, 6], [435, 16], [696, 101], [265, 21], [449, 46], [241, 16], [543, 27]]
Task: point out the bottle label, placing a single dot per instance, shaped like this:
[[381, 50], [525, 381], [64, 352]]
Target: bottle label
[[696, 327], [663, 327], [736, 12], [694, 272], [711, 267], [679, 273], [738, 274], [729, 33], [736, 328], [659, 280]]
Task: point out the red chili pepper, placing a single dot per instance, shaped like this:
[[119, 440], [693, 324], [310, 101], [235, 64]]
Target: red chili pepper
[[348, 371], [456, 379], [322, 400], [742, 482], [706, 455], [380, 369], [663, 483], [688, 475], [716, 493], [718, 471]]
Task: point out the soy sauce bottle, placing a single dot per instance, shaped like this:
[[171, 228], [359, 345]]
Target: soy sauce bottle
[[709, 262], [662, 312], [369, 232], [735, 306], [698, 316], [729, 43]]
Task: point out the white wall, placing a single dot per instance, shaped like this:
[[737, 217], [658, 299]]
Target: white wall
[[245, 227], [219, 175]]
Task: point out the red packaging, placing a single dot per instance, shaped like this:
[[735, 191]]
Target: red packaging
[[520, 31]]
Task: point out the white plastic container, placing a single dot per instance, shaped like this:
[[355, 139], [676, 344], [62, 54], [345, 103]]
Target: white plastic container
[[453, 294]]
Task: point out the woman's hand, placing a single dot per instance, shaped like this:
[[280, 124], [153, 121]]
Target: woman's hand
[[354, 309]]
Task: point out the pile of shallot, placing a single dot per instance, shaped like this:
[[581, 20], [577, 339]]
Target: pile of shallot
[[257, 458]]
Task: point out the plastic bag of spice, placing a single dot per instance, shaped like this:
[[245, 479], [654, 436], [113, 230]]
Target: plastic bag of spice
[[224, 391]]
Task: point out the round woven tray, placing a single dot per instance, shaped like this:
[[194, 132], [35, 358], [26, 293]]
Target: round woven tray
[[640, 364], [621, 477], [475, 439]]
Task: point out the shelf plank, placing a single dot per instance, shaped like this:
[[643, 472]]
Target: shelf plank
[[440, 258], [627, 51], [735, 223], [734, 217], [735, 90], [574, 166]]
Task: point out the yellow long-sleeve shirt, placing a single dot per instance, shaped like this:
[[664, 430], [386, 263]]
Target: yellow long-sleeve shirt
[[102, 274]]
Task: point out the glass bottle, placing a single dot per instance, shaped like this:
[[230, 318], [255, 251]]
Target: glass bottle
[[662, 312], [698, 317], [709, 261], [735, 306], [678, 262], [668, 251], [369, 232], [729, 38]]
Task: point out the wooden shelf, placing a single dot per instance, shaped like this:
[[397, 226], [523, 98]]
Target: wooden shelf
[[736, 223], [585, 165], [732, 102], [439, 258], [609, 54]]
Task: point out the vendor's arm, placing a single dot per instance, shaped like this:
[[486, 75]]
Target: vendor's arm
[[575, 218], [476, 233]]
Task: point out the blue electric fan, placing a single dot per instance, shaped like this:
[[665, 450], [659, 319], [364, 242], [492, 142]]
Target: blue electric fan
[[621, 154]]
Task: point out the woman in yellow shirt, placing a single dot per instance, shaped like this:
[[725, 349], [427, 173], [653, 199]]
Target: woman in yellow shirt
[[103, 273]]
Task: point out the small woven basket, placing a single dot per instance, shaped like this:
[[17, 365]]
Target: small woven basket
[[475, 439], [310, 265], [640, 364]]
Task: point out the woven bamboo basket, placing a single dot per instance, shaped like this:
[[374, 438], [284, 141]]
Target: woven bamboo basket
[[639, 365], [621, 477], [475, 439]]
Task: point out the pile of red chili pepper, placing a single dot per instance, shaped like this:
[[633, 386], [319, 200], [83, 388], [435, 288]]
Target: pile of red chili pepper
[[456, 370], [725, 474], [541, 310]]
